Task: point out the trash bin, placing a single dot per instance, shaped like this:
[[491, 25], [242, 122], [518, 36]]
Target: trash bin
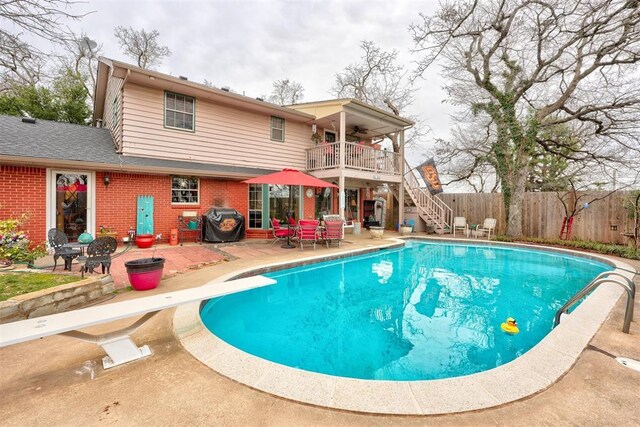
[[357, 227]]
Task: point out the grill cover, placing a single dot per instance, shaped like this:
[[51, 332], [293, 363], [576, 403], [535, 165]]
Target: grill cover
[[222, 225]]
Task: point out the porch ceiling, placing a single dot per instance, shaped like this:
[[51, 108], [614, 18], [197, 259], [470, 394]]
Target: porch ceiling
[[370, 121]]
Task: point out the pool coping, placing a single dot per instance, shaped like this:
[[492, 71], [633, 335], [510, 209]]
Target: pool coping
[[529, 374]]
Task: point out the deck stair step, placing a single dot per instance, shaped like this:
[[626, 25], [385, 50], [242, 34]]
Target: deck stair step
[[430, 208]]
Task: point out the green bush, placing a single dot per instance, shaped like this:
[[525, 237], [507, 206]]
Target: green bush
[[602, 248], [15, 245]]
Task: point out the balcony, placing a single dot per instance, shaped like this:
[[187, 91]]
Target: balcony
[[347, 157]]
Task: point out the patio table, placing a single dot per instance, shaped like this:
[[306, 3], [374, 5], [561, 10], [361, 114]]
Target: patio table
[[76, 245]]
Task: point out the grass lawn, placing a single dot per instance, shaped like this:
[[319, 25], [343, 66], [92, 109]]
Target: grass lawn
[[12, 284]]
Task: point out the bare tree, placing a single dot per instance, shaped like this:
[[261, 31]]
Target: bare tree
[[286, 92], [378, 79], [526, 65], [142, 46], [21, 63]]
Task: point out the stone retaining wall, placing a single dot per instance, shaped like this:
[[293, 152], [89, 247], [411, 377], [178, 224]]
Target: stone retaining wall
[[56, 299]]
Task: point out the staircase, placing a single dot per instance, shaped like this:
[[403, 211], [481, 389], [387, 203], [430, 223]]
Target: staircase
[[431, 209]]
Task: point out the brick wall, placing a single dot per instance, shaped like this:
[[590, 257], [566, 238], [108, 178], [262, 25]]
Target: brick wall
[[116, 204], [309, 208], [24, 189]]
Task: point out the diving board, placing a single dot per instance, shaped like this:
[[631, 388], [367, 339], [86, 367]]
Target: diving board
[[118, 344]]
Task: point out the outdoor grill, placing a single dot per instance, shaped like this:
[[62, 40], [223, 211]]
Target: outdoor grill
[[222, 225]]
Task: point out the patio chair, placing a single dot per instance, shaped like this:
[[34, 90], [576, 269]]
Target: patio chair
[[307, 231], [280, 233], [331, 217], [99, 254], [488, 226], [460, 223], [57, 241], [333, 231]]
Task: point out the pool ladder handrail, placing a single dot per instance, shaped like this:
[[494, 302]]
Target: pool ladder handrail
[[601, 278]]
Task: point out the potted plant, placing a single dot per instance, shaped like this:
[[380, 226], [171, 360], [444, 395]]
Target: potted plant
[[144, 241], [145, 273], [376, 232], [107, 231], [316, 137], [405, 228]]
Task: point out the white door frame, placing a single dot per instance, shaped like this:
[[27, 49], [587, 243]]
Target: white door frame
[[91, 197]]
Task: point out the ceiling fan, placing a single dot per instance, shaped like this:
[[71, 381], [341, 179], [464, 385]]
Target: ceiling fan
[[360, 130]]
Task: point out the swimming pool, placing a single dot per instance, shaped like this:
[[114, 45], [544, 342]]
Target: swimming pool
[[426, 311]]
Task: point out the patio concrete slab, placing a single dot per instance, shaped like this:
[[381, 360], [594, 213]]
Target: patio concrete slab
[[59, 381]]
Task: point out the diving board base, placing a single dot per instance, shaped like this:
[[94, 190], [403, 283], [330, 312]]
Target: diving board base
[[118, 345], [119, 356]]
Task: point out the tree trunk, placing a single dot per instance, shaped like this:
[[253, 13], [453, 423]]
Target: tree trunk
[[514, 221]]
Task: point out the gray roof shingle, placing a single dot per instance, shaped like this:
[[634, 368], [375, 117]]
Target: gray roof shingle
[[85, 144]]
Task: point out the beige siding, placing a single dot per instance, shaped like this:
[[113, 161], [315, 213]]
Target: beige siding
[[114, 87], [223, 135]]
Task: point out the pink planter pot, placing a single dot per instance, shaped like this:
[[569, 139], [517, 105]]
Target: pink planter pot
[[145, 273], [144, 240]]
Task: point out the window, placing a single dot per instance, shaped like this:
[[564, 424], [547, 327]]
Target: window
[[324, 203], [179, 111], [185, 190], [279, 201], [255, 205], [277, 129]]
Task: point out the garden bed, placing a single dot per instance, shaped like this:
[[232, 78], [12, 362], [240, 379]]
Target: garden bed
[[601, 248]]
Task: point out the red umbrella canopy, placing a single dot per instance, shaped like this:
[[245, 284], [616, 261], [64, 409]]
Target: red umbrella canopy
[[290, 177]]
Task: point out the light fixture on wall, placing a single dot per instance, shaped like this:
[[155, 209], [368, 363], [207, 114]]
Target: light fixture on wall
[[107, 179], [314, 128]]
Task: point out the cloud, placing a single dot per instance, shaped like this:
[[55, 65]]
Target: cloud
[[248, 44]]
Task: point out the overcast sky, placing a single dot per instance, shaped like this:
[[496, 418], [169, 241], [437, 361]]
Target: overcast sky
[[247, 45]]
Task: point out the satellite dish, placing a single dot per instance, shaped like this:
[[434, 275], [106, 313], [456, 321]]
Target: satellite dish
[[87, 43]]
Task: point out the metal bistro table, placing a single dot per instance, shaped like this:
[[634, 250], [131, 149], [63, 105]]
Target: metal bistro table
[[76, 245]]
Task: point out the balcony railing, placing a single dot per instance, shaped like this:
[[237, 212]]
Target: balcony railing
[[348, 155]]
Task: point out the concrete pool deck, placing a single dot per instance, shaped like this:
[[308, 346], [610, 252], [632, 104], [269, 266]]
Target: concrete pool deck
[[58, 380]]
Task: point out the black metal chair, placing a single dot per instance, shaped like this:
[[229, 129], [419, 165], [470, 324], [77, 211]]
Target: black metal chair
[[99, 253], [57, 241]]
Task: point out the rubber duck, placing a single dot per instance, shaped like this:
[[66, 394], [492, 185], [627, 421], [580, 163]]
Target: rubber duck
[[510, 326]]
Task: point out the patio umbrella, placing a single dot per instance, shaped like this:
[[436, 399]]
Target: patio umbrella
[[290, 177]]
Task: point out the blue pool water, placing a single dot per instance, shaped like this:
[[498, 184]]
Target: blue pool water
[[426, 311]]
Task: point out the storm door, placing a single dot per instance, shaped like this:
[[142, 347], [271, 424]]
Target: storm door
[[70, 201]]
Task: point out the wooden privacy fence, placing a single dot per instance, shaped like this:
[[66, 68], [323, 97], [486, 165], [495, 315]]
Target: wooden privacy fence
[[542, 214]]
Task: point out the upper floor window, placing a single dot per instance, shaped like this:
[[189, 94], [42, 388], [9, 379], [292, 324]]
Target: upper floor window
[[179, 111], [277, 129], [185, 189]]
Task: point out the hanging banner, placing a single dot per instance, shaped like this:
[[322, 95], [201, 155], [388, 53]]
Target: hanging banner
[[429, 173]]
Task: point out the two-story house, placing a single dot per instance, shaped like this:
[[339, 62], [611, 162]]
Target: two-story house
[[189, 147]]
